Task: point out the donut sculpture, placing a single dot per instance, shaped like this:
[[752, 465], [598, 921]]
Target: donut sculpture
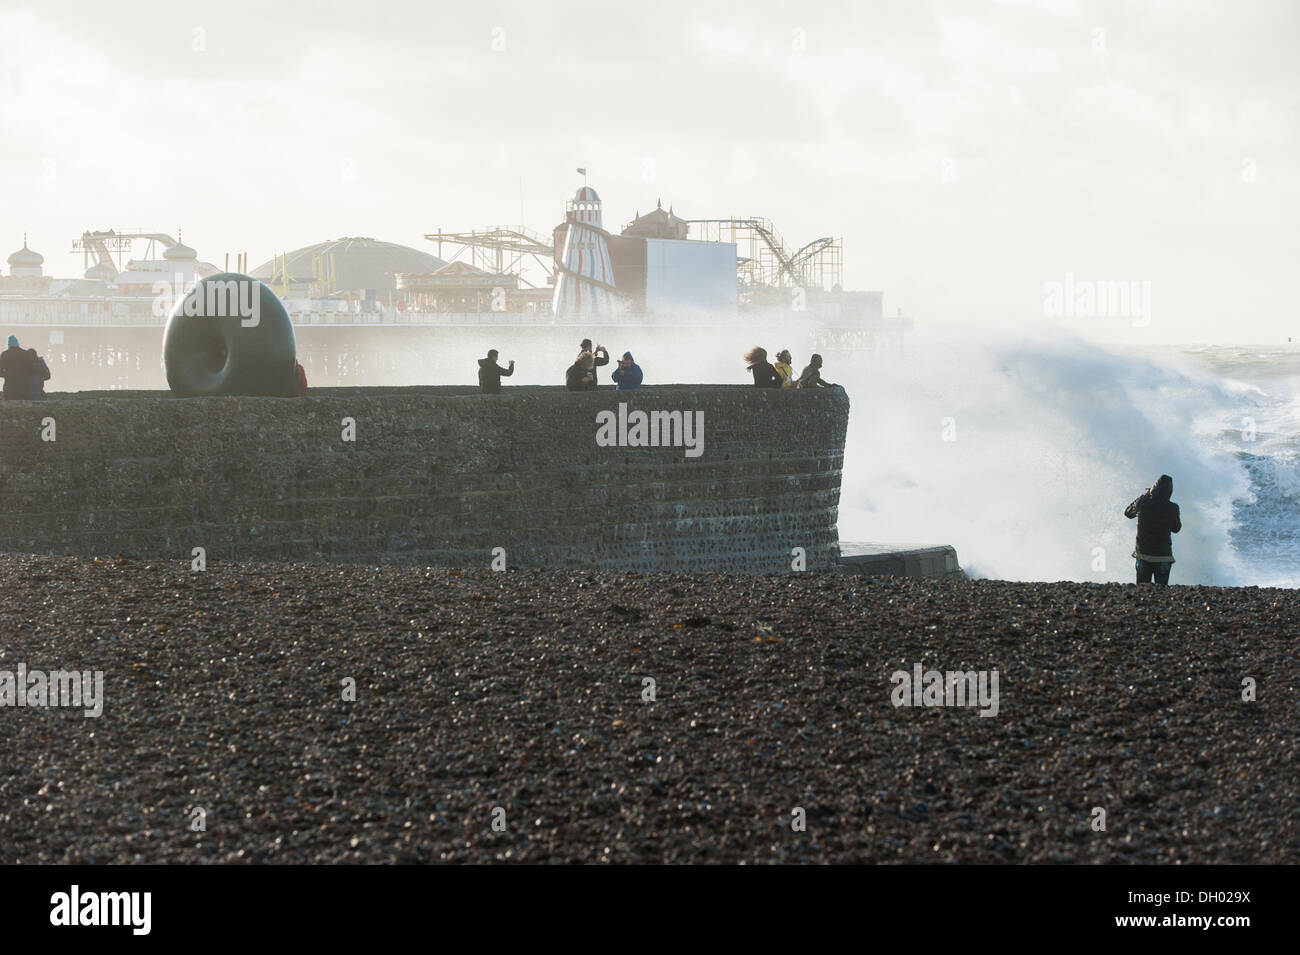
[[231, 335]]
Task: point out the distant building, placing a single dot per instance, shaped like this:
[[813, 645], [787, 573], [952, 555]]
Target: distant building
[[652, 269], [664, 272], [359, 268], [26, 271], [456, 287], [658, 224]]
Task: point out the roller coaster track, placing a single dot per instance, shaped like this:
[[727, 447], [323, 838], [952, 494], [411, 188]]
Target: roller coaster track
[[789, 266]]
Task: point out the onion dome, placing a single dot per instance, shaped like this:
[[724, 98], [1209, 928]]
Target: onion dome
[[25, 258]]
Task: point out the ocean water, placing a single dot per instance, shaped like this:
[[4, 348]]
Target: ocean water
[[1023, 450]]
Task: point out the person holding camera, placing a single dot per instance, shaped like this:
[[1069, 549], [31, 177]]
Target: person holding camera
[[1157, 518], [599, 356], [490, 373]]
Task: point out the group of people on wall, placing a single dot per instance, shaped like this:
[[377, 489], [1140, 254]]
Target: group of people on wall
[[583, 374], [781, 375], [580, 376]]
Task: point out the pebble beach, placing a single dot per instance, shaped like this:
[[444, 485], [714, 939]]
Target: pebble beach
[[316, 713]]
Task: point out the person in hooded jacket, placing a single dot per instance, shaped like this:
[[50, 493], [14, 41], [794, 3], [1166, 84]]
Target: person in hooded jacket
[[17, 370], [40, 375], [765, 375], [628, 373], [1157, 518], [490, 373]]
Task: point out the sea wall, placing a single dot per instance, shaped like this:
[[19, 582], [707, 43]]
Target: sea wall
[[432, 476]]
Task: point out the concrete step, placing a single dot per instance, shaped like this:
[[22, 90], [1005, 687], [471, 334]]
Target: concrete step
[[900, 560]]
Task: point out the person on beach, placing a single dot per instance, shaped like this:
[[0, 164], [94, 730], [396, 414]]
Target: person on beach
[[1157, 518], [628, 373], [811, 377], [581, 375], [785, 368], [765, 375], [490, 373], [17, 371], [599, 356], [40, 375]]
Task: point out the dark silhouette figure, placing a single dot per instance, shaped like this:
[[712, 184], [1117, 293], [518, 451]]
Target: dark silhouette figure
[[18, 371], [599, 356], [40, 375], [765, 375], [581, 375], [1157, 518], [490, 373], [811, 376]]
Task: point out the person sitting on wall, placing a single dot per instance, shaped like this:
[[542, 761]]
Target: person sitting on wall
[[600, 356], [765, 375], [628, 373], [490, 373], [811, 377], [784, 368], [17, 371], [301, 374], [40, 375], [581, 375]]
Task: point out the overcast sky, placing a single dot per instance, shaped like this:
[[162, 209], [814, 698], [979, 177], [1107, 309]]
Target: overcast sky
[[967, 153]]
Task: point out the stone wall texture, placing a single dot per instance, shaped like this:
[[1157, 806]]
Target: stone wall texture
[[436, 476]]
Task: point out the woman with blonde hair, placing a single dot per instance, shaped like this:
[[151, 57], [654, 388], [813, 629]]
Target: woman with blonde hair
[[581, 375], [784, 368], [765, 375]]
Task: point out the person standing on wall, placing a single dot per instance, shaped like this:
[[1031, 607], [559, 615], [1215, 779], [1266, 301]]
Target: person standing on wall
[[490, 373], [17, 371], [765, 375], [811, 377], [581, 375], [628, 373], [785, 368], [40, 375], [599, 357], [1157, 518]]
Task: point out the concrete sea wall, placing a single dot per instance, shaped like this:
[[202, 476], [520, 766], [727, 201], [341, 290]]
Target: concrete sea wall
[[901, 560], [434, 476]]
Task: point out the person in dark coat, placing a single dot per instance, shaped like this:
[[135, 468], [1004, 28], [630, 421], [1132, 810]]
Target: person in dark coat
[[1157, 518], [17, 371], [765, 375], [490, 373], [40, 375], [599, 357], [581, 375], [811, 376], [628, 373]]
